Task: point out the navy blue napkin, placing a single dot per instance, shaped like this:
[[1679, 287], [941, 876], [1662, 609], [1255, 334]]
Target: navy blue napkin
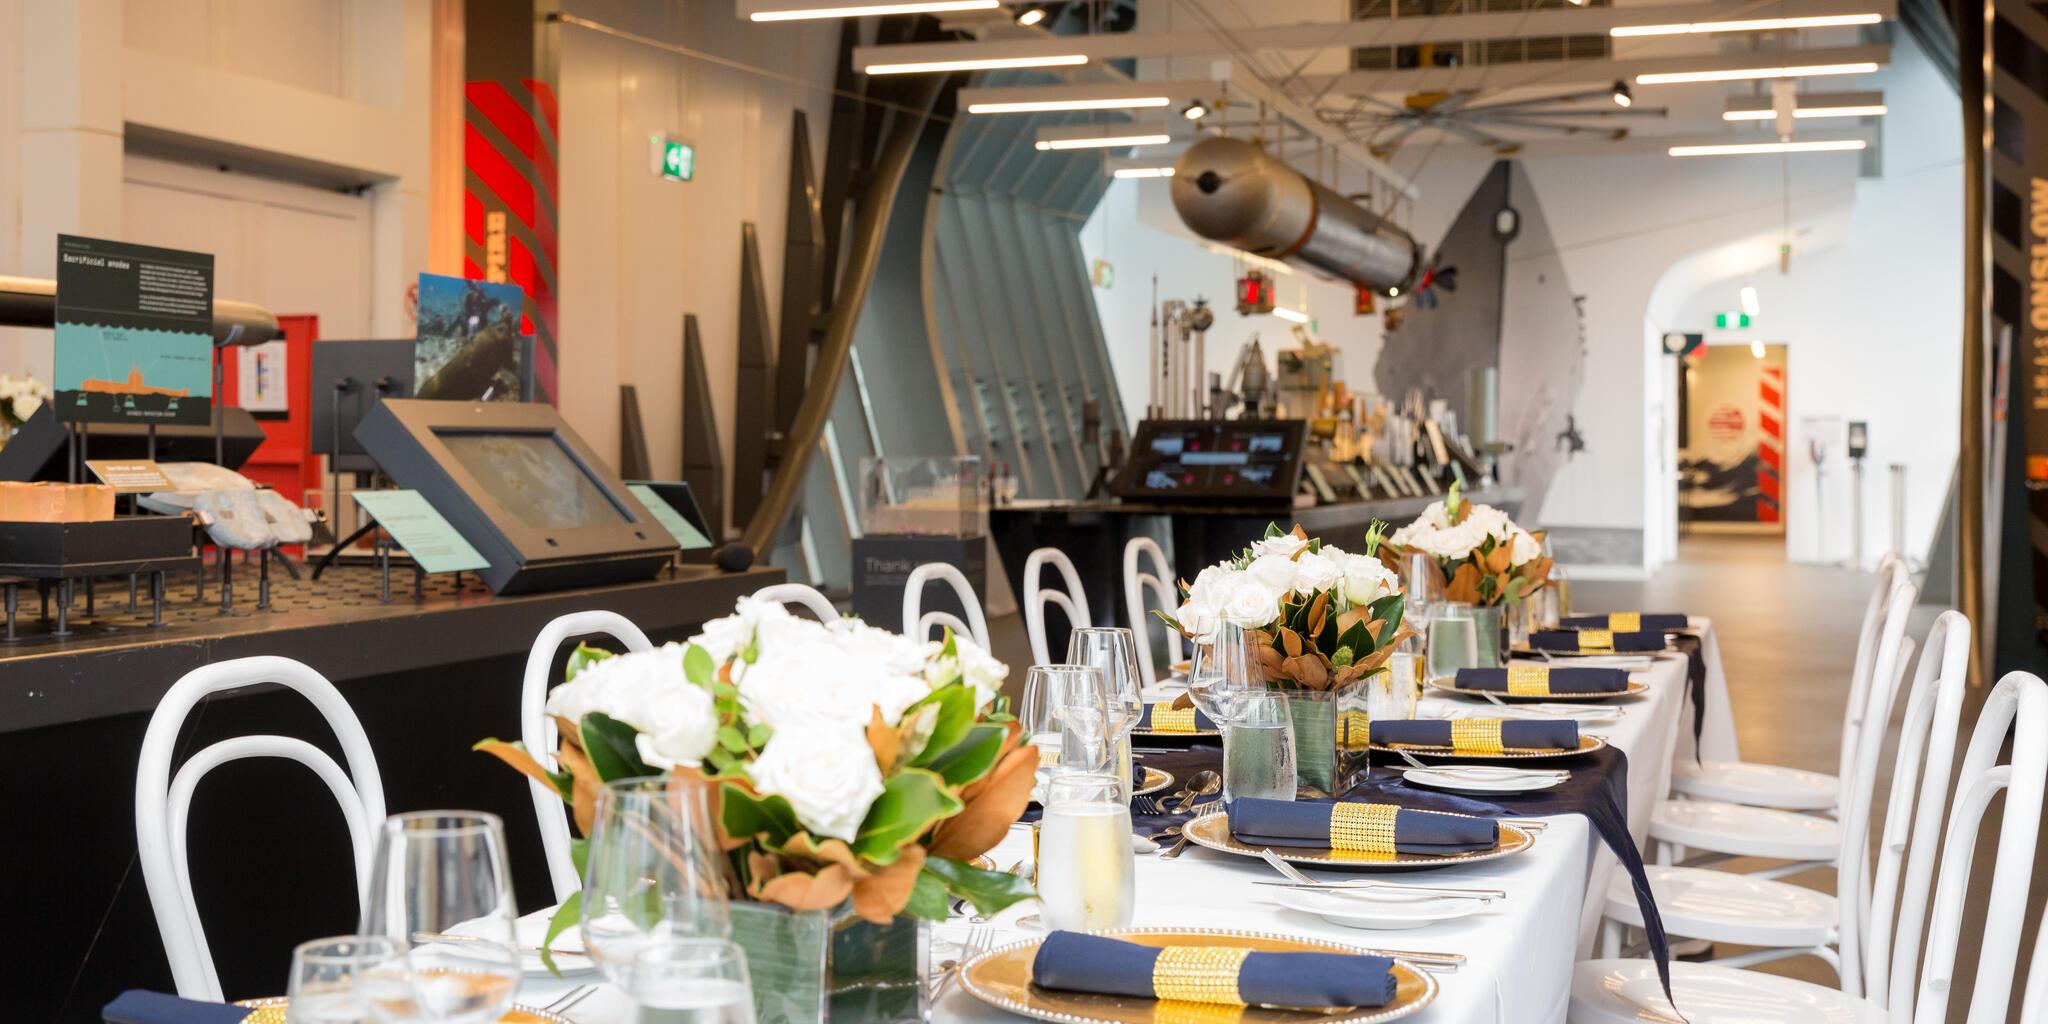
[[1289, 823], [1563, 679], [1202, 721], [1649, 622], [136, 1006], [1514, 735], [1624, 643], [1079, 962]]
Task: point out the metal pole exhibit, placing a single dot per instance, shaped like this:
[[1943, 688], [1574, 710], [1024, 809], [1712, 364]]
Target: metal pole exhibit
[[1899, 509], [1973, 74]]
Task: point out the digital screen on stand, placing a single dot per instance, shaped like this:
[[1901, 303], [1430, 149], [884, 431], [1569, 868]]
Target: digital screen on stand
[[533, 477], [1249, 459]]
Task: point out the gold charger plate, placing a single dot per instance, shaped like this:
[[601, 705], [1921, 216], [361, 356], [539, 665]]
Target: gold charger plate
[[1155, 780], [271, 1011], [1587, 744], [1448, 684], [1213, 831], [1001, 978], [1147, 734]]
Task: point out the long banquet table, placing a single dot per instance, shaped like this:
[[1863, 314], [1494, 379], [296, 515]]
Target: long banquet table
[[1519, 957]]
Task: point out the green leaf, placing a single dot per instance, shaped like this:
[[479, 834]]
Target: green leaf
[[1169, 620], [579, 855], [609, 742], [769, 818], [759, 735], [970, 758], [581, 658], [989, 891], [911, 801], [1273, 530], [951, 648], [567, 914], [955, 716], [697, 666], [1388, 610], [928, 898], [730, 737], [1357, 639], [724, 691]]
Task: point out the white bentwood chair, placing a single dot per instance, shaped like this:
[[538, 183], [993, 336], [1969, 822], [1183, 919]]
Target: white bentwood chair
[[162, 800], [1901, 988], [1792, 789], [1146, 571], [803, 595], [1788, 920], [537, 730], [1072, 600], [919, 626]]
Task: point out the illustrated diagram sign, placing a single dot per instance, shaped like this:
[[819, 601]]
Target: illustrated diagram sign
[[134, 333]]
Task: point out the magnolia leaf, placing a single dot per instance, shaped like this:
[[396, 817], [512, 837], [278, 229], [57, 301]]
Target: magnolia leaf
[[989, 891], [884, 740], [581, 658], [609, 742], [1170, 620], [911, 801], [1290, 641], [915, 729], [583, 801], [928, 897], [567, 914], [1272, 530], [579, 855], [831, 851], [956, 706], [1388, 612], [744, 816], [1356, 638], [1298, 533], [882, 895], [971, 758], [992, 805], [798, 891], [697, 666], [516, 755]]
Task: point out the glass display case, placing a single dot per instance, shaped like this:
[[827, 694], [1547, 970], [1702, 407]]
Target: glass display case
[[924, 496]]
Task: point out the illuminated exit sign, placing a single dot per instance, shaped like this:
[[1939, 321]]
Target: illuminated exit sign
[[1730, 319], [673, 159]]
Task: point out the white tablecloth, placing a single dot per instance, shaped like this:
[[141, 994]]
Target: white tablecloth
[[1519, 956]]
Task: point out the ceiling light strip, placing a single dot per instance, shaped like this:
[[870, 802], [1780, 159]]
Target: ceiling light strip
[[1042, 106], [1143, 172], [863, 10], [1808, 113], [1104, 142], [1746, 25], [1757, 148], [1056, 60], [1744, 74]]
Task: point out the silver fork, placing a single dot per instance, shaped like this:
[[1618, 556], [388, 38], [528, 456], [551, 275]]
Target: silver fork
[[1146, 805], [570, 998], [978, 941]]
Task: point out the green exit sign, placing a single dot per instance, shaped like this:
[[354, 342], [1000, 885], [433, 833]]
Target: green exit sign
[[1731, 319], [672, 158]]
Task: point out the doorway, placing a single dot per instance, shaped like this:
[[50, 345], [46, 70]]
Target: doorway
[[1731, 439]]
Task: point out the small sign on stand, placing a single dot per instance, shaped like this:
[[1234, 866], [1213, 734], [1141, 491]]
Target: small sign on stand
[[406, 520]]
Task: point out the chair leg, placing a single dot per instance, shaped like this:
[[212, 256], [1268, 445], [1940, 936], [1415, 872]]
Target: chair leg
[[1611, 933]]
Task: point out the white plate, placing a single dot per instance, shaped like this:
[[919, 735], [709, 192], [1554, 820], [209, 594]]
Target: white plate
[[1364, 908], [1449, 778], [1584, 714], [532, 930]]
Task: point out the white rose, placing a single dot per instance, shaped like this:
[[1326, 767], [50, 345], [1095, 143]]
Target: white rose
[[1274, 572], [827, 773], [1315, 571], [1284, 545], [678, 727], [1209, 583], [751, 617], [828, 679], [1249, 604], [1367, 580], [1198, 620], [648, 691], [26, 406], [981, 670], [1524, 548]]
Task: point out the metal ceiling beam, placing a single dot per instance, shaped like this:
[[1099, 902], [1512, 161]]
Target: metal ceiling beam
[[1369, 32], [1564, 74]]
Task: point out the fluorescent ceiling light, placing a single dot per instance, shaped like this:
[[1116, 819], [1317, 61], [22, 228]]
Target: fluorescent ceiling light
[[1144, 172], [1055, 60], [1808, 113], [863, 10], [1104, 142], [1039, 106], [1290, 314], [1756, 348], [1746, 25], [1742, 74], [1749, 302], [1750, 148]]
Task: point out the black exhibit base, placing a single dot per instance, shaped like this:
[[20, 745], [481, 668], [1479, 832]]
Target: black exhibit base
[[428, 676]]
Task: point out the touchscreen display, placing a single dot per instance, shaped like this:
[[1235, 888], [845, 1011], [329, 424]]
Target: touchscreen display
[[1258, 459], [534, 478]]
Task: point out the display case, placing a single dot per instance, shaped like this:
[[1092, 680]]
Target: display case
[[924, 496]]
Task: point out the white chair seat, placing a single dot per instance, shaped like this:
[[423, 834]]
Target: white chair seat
[[1627, 992], [1758, 785], [1722, 906], [1745, 831]]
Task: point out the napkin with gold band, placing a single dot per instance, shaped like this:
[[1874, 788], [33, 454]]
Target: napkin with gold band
[[1357, 827], [1628, 622], [1596, 641], [1478, 735], [1543, 680], [137, 1006], [1163, 717], [1225, 975]]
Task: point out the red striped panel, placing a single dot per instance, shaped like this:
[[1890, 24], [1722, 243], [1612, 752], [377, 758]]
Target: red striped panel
[[1771, 396], [1770, 456], [470, 270], [1766, 512], [544, 97], [473, 216], [1771, 427], [498, 174], [1768, 483]]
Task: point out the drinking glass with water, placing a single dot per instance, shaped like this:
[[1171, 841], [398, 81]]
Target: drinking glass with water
[[1258, 748], [1087, 873]]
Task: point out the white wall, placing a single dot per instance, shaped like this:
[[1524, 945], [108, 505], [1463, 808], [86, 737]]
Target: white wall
[[638, 251]]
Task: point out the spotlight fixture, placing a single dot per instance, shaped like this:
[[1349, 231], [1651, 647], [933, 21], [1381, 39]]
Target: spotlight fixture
[[1031, 16], [1745, 74], [1753, 148], [1394, 292], [862, 10], [1622, 97], [1195, 110], [1746, 25]]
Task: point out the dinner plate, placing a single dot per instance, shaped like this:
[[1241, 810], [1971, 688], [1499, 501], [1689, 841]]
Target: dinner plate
[[272, 1011], [1361, 908], [1584, 714], [1213, 831], [1155, 780], [1468, 784], [1448, 684], [1587, 744], [531, 930], [1001, 978]]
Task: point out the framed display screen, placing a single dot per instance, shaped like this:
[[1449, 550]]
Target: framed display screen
[[534, 477], [1250, 460]]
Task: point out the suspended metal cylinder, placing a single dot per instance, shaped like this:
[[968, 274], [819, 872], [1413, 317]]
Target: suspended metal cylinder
[[1231, 191]]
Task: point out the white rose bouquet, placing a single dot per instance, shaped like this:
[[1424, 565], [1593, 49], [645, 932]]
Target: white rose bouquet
[[847, 762], [1484, 558], [1324, 616], [20, 397]]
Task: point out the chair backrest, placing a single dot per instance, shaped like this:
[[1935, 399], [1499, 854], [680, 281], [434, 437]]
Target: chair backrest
[[162, 800], [801, 594], [537, 730], [1890, 573], [920, 626], [2019, 704], [1147, 571], [1073, 601]]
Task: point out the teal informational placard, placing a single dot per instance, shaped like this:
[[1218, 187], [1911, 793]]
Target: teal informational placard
[[425, 534], [134, 333], [671, 520]]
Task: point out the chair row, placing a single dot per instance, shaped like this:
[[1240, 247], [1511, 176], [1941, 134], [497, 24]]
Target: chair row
[[1146, 575]]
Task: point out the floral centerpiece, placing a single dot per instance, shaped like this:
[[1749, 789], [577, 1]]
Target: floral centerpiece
[[1482, 557], [1321, 619], [20, 397], [857, 773]]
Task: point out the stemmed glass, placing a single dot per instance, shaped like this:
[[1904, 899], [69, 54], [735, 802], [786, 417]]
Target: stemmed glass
[[1221, 672], [442, 897], [1066, 712], [655, 916], [330, 978], [1113, 651]]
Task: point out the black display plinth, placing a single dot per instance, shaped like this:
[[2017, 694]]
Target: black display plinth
[[882, 564]]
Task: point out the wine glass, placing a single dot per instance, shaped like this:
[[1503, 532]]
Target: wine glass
[[441, 895], [1086, 868], [1113, 651], [655, 917], [1223, 669], [329, 977], [1066, 714]]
